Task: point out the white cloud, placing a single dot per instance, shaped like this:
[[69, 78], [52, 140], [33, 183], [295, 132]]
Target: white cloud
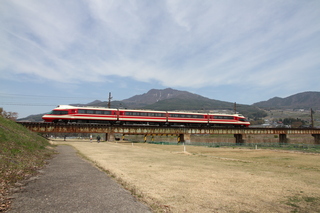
[[176, 43]]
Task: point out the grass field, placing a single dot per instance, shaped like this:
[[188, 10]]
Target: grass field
[[174, 178], [21, 153]]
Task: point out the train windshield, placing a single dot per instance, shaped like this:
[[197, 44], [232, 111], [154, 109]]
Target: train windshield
[[58, 112], [243, 119]]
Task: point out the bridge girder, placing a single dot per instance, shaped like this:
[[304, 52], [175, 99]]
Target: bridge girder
[[157, 130]]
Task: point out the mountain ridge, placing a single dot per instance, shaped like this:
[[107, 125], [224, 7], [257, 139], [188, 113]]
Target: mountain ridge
[[303, 100], [155, 95]]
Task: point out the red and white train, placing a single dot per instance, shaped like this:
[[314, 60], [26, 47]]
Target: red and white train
[[67, 113]]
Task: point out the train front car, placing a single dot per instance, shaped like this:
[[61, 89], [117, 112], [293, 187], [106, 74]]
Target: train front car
[[242, 121], [66, 114], [227, 120], [63, 113]]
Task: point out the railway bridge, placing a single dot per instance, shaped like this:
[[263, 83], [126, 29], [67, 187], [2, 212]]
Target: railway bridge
[[183, 133]]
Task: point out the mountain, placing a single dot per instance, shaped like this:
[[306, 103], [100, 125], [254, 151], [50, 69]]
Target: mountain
[[170, 99], [304, 100], [166, 99], [32, 118], [93, 103], [160, 99], [154, 95]]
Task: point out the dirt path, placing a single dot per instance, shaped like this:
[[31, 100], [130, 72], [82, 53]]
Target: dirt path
[[211, 179], [70, 184]]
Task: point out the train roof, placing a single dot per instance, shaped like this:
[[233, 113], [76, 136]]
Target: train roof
[[81, 107], [140, 110]]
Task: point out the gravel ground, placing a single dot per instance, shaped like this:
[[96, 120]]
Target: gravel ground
[[71, 184]]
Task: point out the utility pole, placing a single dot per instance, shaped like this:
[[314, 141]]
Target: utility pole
[[235, 108], [109, 100], [311, 113]]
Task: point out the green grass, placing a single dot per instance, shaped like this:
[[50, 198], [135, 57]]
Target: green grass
[[22, 152], [302, 203]]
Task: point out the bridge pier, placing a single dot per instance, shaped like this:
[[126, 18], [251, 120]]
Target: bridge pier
[[239, 139], [283, 138], [316, 138], [184, 138], [110, 137]]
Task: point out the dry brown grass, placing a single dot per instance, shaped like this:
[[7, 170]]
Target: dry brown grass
[[211, 179]]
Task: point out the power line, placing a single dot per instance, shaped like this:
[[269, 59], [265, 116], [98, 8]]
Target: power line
[[42, 96], [26, 104]]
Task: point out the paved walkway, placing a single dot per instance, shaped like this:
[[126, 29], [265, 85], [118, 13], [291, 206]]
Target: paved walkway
[[70, 184]]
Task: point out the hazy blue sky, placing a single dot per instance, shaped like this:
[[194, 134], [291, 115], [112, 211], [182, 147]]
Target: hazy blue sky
[[76, 51]]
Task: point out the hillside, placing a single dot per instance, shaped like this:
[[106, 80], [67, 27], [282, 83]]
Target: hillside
[[22, 153], [32, 118], [304, 100]]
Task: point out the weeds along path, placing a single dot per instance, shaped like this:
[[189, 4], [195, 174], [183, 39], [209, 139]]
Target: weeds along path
[[211, 179]]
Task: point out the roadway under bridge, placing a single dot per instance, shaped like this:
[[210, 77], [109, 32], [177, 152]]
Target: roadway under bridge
[[183, 133]]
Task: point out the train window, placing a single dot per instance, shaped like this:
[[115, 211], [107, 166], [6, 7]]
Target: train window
[[186, 116], [59, 112], [101, 112], [145, 114], [133, 113], [223, 117], [178, 115]]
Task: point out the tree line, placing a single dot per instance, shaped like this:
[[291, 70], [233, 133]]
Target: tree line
[[8, 115]]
